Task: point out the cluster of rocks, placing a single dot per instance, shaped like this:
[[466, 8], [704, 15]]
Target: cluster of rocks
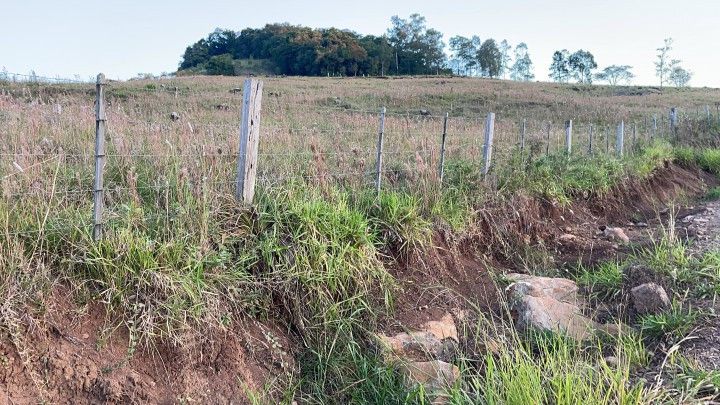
[[424, 356]]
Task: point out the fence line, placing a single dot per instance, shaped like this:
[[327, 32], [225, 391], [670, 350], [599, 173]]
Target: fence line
[[435, 139]]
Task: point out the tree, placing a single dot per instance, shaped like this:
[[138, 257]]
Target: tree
[[465, 50], [221, 65], [679, 76], [522, 68], [581, 64], [615, 74], [418, 49], [662, 65], [490, 58], [559, 68], [504, 58]]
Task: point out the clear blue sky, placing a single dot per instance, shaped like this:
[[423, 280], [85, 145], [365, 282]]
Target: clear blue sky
[[123, 38]]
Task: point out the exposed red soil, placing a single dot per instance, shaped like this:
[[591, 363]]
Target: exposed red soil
[[456, 271], [70, 360]]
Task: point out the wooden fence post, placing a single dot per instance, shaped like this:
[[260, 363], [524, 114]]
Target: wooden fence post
[[249, 140], [620, 140], [590, 141], [654, 130], [568, 137], [379, 160], [98, 188], [607, 140], [523, 130], [547, 140], [673, 121], [634, 135], [442, 148], [487, 150]]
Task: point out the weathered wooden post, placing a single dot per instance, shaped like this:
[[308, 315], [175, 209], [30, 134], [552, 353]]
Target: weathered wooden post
[[654, 130], [547, 140], [523, 129], [590, 141], [249, 140], [673, 121], [98, 188], [442, 148], [620, 139], [487, 150], [607, 140], [568, 137], [379, 160], [634, 137]]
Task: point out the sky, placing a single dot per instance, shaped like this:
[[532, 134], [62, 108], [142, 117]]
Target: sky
[[123, 38]]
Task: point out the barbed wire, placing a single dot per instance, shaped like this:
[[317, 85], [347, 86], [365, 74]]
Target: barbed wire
[[33, 78]]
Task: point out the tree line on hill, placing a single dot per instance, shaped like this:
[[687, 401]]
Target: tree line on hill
[[409, 47]]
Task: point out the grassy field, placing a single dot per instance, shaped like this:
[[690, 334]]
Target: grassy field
[[316, 251]]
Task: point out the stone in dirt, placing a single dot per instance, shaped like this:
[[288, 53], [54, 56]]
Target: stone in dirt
[[616, 234], [567, 237], [550, 304], [174, 116], [434, 375], [435, 340], [649, 298]]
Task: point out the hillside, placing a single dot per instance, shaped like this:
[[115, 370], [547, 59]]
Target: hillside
[[332, 287]]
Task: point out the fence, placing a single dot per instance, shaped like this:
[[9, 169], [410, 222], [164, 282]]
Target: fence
[[354, 147]]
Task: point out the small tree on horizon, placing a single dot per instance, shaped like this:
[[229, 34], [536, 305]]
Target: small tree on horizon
[[559, 69], [581, 64], [663, 63], [522, 68], [615, 74], [490, 58]]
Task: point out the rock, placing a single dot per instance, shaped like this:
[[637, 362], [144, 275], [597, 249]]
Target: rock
[[434, 340], [566, 238], [174, 116], [442, 329], [236, 90], [549, 304], [424, 112], [223, 107], [649, 298], [433, 375], [641, 225], [612, 361], [616, 234], [560, 289]]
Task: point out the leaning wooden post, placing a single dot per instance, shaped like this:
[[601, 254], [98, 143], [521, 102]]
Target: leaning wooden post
[[590, 141], [568, 137], [442, 148], [249, 140], [98, 188], [487, 150], [620, 139], [379, 160]]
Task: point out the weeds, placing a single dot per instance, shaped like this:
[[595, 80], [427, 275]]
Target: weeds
[[672, 325], [604, 281]]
